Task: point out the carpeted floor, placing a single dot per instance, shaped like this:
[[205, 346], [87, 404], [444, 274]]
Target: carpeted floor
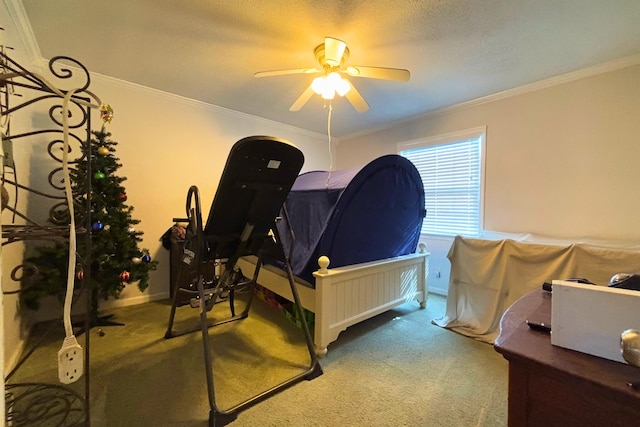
[[396, 369]]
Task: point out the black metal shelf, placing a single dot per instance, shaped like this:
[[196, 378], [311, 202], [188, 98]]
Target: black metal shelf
[[31, 404]]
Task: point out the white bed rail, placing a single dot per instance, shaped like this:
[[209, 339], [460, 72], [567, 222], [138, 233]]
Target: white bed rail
[[348, 295]]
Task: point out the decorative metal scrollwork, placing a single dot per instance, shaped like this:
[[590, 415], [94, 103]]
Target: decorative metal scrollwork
[[34, 404], [38, 404], [65, 73], [24, 273], [63, 69]]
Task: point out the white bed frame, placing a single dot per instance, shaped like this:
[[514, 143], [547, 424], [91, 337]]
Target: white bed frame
[[348, 295]]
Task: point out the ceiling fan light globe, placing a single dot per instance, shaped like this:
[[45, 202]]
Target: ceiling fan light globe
[[343, 87], [329, 93], [333, 79], [319, 85]]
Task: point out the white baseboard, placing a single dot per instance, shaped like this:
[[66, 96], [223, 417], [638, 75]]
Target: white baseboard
[[438, 291]]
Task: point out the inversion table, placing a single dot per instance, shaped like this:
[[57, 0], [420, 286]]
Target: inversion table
[[256, 179]]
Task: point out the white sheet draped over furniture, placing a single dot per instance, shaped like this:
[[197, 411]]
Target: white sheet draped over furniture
[[487, 276]]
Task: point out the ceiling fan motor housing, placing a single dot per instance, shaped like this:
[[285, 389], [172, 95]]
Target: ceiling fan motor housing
[[319, 52]]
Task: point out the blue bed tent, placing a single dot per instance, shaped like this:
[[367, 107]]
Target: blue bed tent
[[354, 215]]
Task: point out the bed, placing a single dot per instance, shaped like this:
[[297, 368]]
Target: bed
[[356, 251]]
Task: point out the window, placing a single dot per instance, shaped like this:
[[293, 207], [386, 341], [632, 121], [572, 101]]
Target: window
[[452, 171]]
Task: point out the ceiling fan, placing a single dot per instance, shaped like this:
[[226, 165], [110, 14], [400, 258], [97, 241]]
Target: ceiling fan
[[332, 56]]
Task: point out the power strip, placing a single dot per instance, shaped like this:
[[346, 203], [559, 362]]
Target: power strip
[[70, 361]]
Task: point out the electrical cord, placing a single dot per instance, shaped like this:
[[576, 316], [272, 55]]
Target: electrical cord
[[329, 110], [68, 328]]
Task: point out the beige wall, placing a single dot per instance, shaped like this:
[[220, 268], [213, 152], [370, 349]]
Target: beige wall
[[561, 161]]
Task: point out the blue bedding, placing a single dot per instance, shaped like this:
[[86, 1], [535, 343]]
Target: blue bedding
[[354, 215]]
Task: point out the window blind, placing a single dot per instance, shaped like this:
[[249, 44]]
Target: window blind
[[452, 178]]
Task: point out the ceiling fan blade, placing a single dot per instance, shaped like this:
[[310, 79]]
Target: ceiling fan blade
[[285, 72], [302, 99], [396, 74], [356, 99], [333, 51]]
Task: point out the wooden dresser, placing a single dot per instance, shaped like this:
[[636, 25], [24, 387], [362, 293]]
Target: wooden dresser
[[553, 386]]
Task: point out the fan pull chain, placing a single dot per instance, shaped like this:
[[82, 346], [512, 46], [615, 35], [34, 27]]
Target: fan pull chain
[[329, 110]]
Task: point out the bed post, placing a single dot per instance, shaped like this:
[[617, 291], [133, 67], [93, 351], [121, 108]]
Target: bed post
[[323, 285], [422, 280]]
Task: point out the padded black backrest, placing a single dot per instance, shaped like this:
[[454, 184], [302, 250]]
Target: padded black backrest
[[257, 177]]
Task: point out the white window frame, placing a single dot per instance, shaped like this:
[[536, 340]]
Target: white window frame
[[448, 138]]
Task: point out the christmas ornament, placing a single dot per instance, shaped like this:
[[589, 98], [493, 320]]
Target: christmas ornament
[[103, 151], [107, 227], [136, 260], [106, 113], [80, 275], [99, 175], [125, 276], [122, 197], [97, 226], [131, 230], [146, 258]]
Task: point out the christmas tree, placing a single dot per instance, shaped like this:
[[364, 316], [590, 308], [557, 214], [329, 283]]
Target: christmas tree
[[113, 257]]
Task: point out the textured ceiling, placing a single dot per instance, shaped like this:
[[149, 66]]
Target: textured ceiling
[[456, 50]]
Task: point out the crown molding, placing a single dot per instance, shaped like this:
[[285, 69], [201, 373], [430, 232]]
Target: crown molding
[[190, 102], [547, 83], [18, 16], [560, 79]]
